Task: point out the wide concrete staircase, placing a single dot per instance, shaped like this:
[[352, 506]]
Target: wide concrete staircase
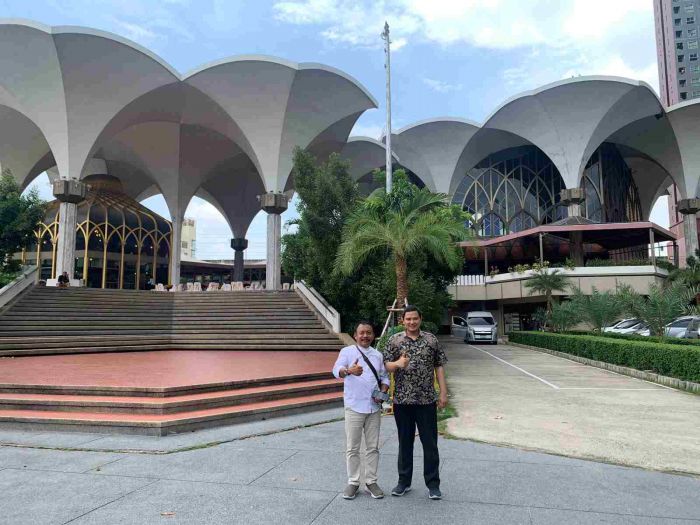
[[54, 321], [47, 325]]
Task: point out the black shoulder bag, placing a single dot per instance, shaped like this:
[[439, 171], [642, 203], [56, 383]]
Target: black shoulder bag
[[377, 393]]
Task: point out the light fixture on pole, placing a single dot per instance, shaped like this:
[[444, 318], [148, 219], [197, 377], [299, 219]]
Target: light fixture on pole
[[387, 66]]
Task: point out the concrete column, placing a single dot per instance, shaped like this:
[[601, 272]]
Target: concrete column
[[69, 193], [274, 204], [239, 244], [689, 208], [175, 251], [573, 198]]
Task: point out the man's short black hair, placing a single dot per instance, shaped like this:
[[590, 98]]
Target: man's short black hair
[[365, 322], [412, 308]]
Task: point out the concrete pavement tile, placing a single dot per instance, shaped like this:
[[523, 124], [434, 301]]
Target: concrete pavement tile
[[330, 438], [651, 493], [47, 439], [596, 489], [227, 433], [417, 508], [205, 503], [323, 471], [58, 460], [557, 517], [469, 481], [55, 497], [215, 464]]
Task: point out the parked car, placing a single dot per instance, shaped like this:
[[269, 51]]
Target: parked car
[[683, 327], [458, 328], [626, 326], [481, 327], [622, 324]]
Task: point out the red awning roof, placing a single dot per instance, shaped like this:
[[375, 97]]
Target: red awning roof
[[609, 235]]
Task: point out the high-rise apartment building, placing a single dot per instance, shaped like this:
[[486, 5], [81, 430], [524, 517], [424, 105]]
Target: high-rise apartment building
[[677, 49], [188, 238]]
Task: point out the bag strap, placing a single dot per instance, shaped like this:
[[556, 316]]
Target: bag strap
[[371, 366]]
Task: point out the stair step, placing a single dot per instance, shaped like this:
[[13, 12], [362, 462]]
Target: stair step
[[160, 424], [159, 405]]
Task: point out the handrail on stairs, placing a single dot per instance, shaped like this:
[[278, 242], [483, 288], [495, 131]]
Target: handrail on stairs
[[23, 281], [329, 313]]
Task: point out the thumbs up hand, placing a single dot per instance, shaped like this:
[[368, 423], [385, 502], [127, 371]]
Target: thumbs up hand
[[356, 368], [402, 362]]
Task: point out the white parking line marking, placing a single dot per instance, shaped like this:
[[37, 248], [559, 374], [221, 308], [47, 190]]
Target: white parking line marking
[[555, 387], [604, 388]]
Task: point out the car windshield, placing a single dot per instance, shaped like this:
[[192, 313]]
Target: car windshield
[[480, 321], [628, 324]]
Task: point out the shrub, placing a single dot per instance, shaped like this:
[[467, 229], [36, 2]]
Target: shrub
[[598, 309], [681, 362], [563, 316], [644, 338]]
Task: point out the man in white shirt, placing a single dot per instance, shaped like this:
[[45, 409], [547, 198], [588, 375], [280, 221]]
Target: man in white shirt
[[362, 409]]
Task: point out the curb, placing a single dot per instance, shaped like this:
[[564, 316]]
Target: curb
[[672, 382]]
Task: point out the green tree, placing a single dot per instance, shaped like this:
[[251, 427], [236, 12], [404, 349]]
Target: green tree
[[690, 275], [19, 215], [545, 281], [402, 225], [660, 306], [598, 309], [563, 316]]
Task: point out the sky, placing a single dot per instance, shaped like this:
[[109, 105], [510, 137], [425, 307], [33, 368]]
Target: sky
[[458, 58]]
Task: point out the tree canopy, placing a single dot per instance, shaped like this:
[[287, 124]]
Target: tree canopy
[[19, 215], [328, 200]]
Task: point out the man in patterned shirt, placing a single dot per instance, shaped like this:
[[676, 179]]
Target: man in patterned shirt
[[415, 358]]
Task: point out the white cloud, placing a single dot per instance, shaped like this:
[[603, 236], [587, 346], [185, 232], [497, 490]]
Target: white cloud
[[137, 33], [441, 86], [367, 130], [560, 38]]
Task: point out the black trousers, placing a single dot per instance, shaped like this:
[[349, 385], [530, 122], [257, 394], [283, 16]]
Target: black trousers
[[408, 417]]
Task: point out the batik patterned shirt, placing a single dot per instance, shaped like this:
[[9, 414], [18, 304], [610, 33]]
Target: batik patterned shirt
[[415, 384]]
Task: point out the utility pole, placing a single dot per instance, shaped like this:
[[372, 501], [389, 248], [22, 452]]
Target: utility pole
[[387, 66]]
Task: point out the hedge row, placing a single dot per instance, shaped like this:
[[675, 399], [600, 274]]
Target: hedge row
[[643, 338], [681, 362]]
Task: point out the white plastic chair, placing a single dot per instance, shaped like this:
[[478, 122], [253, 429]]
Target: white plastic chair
[[238, 286], [213, 287], [226, 287], [197, 287], [285, 286], [160, 288]]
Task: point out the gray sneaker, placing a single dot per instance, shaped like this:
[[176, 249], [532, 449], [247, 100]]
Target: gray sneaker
[[375, 491], [350, 491]]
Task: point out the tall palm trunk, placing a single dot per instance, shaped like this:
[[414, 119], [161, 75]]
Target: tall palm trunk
[[401, 281]]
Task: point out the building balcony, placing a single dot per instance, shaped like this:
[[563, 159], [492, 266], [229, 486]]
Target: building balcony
[[511, 285]]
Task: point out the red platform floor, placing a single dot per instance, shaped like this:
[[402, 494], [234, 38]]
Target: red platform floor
[[161, 369]]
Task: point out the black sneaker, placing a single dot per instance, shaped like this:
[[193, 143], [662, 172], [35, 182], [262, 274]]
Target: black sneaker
[[400, 490], [434, 494]]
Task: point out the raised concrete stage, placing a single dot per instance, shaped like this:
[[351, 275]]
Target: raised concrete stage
[[157, 393]]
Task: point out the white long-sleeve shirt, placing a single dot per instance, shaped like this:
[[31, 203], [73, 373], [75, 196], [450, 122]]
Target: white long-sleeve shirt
[[357, 390]]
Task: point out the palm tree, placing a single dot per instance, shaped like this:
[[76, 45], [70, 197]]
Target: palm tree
[[545, 282], [420, 221]]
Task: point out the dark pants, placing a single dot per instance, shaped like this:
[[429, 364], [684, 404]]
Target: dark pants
[[408, 417]]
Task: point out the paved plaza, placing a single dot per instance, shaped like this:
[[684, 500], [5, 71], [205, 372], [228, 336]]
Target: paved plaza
[[529, 399], [296, 476]]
